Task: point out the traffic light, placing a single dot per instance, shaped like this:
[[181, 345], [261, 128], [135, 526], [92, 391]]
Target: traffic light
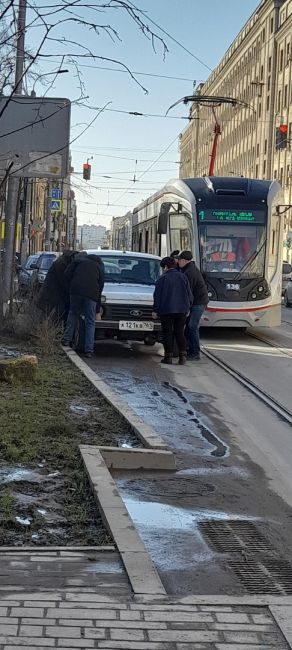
[[86, 171], [281, 136]]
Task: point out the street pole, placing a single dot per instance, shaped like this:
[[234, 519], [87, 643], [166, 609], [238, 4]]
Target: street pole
[[13, 183], [48, 218]]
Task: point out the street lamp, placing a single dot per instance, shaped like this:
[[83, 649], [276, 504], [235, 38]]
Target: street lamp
[[45, 74]]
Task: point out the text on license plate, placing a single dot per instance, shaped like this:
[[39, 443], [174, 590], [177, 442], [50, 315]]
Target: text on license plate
[[136, 325]]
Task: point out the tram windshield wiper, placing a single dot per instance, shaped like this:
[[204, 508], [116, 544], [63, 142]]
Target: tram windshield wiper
[[251, 259]]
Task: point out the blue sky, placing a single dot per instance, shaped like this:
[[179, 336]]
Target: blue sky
[[116, 141]]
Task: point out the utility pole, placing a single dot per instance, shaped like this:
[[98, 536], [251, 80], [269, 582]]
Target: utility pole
[[48, 218], [13, 183]]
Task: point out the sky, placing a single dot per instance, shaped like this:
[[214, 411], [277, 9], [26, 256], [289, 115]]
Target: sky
[[139, 154]]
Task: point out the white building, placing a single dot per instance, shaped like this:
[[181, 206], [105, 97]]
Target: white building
[[91, 236]]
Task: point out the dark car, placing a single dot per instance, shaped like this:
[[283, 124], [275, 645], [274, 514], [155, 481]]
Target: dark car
[[41, 268], [26, 272]]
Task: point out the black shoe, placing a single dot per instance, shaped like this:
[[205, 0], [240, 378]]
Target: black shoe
[[88, 355], [194, 357], [182, 358], [167, 359]]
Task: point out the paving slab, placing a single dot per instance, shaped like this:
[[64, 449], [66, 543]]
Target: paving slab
[[68, 619]]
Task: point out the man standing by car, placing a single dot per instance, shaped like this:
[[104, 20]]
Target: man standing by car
[[86, 280], [200, 301]]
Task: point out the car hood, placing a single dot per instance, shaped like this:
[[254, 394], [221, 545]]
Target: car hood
[[128, 293]]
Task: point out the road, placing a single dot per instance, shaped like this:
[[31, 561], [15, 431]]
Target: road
[[233, 464]]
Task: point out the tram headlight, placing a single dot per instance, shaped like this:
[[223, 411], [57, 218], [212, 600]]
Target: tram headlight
[[261, 288], [253, 295]]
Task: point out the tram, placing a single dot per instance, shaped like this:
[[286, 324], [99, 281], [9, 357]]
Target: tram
[[234, 229]]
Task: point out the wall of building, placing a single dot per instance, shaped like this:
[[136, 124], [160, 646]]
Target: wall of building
[[257, 68]]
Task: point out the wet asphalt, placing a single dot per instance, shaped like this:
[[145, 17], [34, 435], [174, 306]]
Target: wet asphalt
[[204, 524]]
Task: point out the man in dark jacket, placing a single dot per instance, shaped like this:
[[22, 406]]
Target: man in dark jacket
[[86, 278], [54, 295], [172, 302], [200, 301]]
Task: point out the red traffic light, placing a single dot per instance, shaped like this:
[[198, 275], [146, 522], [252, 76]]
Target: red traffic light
[[283, 128], [86, 171]]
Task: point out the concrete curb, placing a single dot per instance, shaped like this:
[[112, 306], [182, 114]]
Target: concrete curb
[[253, 601], [141, 571], [145, 433], [135, 459], [46, 550]]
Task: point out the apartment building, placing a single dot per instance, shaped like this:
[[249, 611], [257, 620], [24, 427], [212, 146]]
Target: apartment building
[[257, 69]]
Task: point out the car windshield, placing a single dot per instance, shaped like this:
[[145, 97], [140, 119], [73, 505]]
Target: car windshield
[[46, 262], [233, 250], [32, 259], [125, 269]]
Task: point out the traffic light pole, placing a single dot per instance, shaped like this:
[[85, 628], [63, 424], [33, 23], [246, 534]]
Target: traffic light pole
[[13, 183]]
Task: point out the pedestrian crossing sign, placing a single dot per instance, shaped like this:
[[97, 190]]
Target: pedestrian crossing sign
[[56, 205]]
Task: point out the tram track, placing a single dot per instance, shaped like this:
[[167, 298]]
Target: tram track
[[261, 394]]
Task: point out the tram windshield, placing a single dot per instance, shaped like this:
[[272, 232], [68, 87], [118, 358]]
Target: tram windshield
[[233, 249]]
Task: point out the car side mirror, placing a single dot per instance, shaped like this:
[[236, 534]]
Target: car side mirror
[[163, 218], [34, 267]]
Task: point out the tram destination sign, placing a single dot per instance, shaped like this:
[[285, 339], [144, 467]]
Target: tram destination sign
[[232, 216]]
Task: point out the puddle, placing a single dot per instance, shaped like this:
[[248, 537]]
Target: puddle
[[8, 352], [129, 442], [23, 521], [15, 474]]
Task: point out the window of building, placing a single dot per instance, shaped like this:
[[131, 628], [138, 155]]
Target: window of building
[[264, 167], [281, 60], [269, 83], [260, 109], [256, 171], [270, 64], [288, 52], [275, 174], [258, 150], [265, 146], [262, 72], [281, 176], [279, 100], [290, 133], [263, 35], [286, 95], [272, 25], [268, 102], [288, 176]]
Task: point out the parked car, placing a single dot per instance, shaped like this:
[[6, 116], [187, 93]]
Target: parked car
[[25, 273], [286, 275], [288, 294], [127, 298], [41, 268]]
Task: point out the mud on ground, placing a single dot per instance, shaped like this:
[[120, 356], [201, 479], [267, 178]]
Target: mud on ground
[[44, 493]]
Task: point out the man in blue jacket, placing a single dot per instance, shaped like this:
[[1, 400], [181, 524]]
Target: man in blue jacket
[[172, 302]]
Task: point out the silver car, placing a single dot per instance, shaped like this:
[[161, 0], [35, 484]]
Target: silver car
[[286, 275], [288, 294]]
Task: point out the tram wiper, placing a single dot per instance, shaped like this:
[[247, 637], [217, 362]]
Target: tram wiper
[[251, 259]]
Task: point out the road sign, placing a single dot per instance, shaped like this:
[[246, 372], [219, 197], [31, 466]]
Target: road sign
[[56, 193], [56, 205]]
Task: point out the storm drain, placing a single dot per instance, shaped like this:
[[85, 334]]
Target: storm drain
[[171, 487], [234, 536], [264, 576]]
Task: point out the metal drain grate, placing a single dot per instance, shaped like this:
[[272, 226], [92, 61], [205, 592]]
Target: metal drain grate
[[235, 536], [264, 576], [177, 487]]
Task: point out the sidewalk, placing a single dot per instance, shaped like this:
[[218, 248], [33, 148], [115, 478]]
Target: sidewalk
[[72, 619]]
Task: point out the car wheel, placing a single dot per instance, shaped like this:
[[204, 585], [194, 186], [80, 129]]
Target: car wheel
[[286, 301], [79, 336]]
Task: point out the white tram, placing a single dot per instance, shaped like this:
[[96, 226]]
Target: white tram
[[235, 231]]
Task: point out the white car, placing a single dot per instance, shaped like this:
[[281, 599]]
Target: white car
[[127, 298]]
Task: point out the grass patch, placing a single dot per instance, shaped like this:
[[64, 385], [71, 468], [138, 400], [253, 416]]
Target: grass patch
[[42, 425]]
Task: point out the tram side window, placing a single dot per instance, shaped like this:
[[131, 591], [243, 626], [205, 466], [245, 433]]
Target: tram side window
[[274, 245], [180, 229]]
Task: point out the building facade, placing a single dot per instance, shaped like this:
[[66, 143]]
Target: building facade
[[121, 232], [91, 236], [257, 69]]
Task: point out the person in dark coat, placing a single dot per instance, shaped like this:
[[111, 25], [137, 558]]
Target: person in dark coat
[[200, 301], [54, 295], [172, 302], [86, 279]]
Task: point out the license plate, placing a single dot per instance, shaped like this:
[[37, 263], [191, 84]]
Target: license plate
[[136, 325]]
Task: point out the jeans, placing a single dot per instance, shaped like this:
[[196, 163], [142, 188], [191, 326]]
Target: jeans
[[192, 329], [173, 326], [81, 305]]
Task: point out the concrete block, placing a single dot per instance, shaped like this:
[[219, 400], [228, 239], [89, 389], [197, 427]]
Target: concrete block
[[116, 458], [283, 617]]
